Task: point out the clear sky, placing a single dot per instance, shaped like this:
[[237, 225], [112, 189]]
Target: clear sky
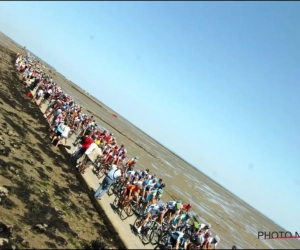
[[222, 75]]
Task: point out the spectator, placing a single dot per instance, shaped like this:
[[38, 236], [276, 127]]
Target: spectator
[[110, 178]]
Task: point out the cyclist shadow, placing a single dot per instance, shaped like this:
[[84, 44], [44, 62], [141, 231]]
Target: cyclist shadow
[[114, 208], [133, 230]]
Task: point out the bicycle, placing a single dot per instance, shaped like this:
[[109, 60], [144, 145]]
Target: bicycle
[[165, 233], [140, 210], [147, 229], [126, 208], [157, 234], [115, 188], [102, 169]]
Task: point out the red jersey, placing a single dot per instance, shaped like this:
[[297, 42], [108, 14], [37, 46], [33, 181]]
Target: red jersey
[[108, 138], [87, 141]]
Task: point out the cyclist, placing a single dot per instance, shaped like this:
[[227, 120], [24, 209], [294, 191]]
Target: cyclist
[[150, 186], [199, 240], [108, 138], [129, 175], [210, 240], [181, 219], [153, 212], [119, 159], [193, 229], [204, 227], [131, 191], [144, 173], [135, 178], [174, 207], [111, 155], [176, 239], [132, 161], [153, 197], [186, 207], [121, 149]]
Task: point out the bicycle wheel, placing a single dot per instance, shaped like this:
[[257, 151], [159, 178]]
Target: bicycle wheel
[[130, 211], [110, 191], [101, 172], [116, 202], [137, 222], [119, 189], [135, 209], [155, 236], [163, 239], [125, 211], [114, 188], [146, 235]]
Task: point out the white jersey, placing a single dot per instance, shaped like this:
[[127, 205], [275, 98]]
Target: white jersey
[[130, 173], [214, 240], [153, 207], [150, 186]]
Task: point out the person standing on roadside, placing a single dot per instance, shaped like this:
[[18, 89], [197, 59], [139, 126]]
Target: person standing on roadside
[[87, 140], [64, 134], [109, 179]]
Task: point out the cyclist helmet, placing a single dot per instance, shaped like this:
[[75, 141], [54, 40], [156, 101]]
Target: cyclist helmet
[[196, 224], [234, 248], [208, 226], [147, 170], [178, 205], [162, 185]]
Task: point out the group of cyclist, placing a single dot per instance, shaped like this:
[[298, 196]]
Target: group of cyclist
[[139, 185], [145, 188]]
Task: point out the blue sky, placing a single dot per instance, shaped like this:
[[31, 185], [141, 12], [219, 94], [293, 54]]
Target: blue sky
[[224, 73]]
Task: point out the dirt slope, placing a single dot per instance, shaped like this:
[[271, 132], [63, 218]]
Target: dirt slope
[[43, 205]]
